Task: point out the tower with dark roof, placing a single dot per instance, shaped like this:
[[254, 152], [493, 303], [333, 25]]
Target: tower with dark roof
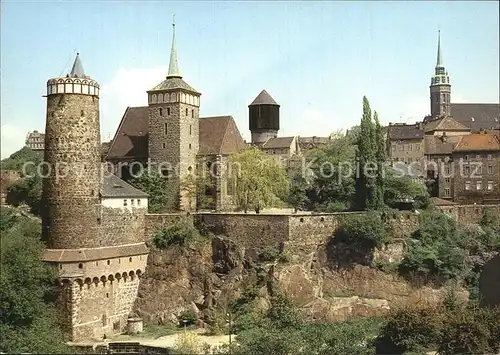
[[72, 156], [264, 118], [174, 109], [440, 88]]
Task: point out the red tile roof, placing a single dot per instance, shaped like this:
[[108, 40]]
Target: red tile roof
[[131, 138], [218, 135], [478, 142]]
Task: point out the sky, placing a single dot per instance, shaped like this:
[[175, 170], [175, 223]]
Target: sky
[[316, 59]]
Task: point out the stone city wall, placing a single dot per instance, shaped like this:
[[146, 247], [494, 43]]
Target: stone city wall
[[154, 222], [247, 230], [120, 226], [469, 214], [296, 231]]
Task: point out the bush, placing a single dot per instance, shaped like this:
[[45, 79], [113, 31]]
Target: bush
[[282, 312], [435, 253], [178, 234], [269, 253], [187, 316], [410, 329], [451, 328], [188, 343], [364, 232], [27, 191]]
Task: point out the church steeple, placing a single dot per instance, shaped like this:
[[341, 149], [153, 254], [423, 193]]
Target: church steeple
[[173, 68], [439, 61], [440, 88]]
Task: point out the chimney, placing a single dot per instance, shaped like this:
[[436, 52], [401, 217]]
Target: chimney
[[419, 125]]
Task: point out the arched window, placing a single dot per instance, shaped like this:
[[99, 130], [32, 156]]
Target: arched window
[[154, 99]]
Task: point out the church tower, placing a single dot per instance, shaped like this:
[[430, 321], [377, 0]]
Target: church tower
[[174, 111], [72, 161], [440, 88], [264, 118]]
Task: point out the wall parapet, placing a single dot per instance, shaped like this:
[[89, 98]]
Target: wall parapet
[[253, 230]]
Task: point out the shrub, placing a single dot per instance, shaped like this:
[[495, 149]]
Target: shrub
[[269, 253], [366, 231], [188, 316], [282, 312], [188, 343], [179, 234], [410, 329], [471, 331]]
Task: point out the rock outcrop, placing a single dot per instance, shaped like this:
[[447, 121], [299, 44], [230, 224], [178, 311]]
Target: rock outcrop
[[215, 272]]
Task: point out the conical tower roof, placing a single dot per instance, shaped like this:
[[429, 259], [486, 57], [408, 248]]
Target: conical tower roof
[[174, 77], [263, 99], [173, 68], [77, 70]]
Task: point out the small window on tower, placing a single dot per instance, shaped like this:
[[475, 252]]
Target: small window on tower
[[166, 128], [186, 112], [82, 113], [190, 130], [161, 111], [192, 113], [189, 145], [168, 111], [164, 145]]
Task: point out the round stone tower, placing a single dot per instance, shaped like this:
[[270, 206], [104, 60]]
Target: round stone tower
[[264, 118], [72, 162]]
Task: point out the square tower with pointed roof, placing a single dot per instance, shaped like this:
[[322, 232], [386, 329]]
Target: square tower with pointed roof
[[173, 119]]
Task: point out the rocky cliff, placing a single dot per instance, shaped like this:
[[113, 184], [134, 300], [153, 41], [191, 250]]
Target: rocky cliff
[[216, 271]]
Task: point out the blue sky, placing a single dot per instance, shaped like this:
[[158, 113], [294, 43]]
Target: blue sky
[[317, 59]]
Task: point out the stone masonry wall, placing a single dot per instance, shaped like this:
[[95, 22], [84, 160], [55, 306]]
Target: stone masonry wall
[[154, 222], [98, 301], [469, 214], [71, 192], [247, 230], [296, 231], [120, 226], [177, 145], [102, 308]]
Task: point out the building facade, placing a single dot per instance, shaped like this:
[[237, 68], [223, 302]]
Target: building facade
[[476, 161], [35, 141]]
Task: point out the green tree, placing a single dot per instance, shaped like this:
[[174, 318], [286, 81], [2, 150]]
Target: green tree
[[151, 182], [331, 186], [261, 181], [297, 197], [362, 232], [380, 157], [28, 321], [27, 190], [366, 159], [17, 160], [397, 188]]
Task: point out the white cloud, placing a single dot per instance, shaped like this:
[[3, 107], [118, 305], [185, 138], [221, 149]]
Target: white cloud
[[127, 88], [314, 122], [12, 139]]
